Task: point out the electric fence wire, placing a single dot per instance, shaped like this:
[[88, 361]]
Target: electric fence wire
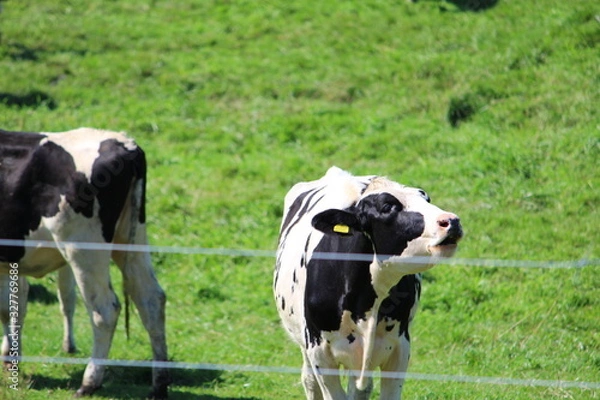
[[296, 371], [569, 264], [481, 262]]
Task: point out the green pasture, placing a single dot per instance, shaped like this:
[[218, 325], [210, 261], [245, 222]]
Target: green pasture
[[490, 106]]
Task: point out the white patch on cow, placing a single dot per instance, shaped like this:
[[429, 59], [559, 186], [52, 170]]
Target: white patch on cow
[[85, 152], [41, 260]]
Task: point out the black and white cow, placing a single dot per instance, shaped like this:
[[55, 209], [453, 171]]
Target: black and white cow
[[345, 285], [83, 185]]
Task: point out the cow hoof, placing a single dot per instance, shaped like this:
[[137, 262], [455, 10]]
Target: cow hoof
[[160, 384], [85, 391], [159, 393]]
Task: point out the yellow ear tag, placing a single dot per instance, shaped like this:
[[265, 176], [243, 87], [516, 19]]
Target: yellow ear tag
[[341, 228]]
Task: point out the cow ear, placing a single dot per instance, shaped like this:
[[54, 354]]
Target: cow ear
[[336, 222]]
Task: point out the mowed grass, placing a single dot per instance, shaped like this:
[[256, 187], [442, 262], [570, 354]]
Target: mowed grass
[[493, 111]]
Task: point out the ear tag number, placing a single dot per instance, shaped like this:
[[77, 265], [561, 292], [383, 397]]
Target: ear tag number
[[341, 228]]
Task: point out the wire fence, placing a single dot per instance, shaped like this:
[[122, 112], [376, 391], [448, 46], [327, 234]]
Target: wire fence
[[296, 371], [569, 264], [481, 262]]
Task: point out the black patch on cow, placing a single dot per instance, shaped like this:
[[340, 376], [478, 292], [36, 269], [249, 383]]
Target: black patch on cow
[[113, 172], [400, 301], [350, 338], [378, 223], [32, 179], [295, 211], [390, 227], [379, 216], [333, 286], [303, 258]]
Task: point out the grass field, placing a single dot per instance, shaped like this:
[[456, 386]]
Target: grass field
[[493, 111]]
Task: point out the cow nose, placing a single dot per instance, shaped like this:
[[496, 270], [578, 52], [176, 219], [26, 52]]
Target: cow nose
[[450, 224]]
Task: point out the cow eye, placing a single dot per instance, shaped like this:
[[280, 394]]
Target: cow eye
[[384, 204], [425, 196], [386, 208]]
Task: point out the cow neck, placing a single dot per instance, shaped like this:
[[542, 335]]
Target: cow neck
[[386, 274]]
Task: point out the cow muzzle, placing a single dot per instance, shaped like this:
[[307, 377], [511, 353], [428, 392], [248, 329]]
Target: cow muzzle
[[449, 232]]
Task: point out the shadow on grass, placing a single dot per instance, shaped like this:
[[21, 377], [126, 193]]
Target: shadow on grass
[[473, 5], [467, 5], [19, 52], [39, 294], [40, 382], [31, 99], [122, 383]]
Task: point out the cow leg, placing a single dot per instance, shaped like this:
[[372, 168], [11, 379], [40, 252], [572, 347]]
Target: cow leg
[[356, 394], [13, 308], [67, 298], [330, 385], [391, 388], [91, 271], [141, 285], [309, 380], [4, 313]]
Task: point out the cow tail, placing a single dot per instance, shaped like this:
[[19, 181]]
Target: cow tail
[[136, 199], [126, 311], [137, 214]]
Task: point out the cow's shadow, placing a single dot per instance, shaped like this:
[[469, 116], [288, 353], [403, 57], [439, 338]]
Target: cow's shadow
[[127, 383], [38, 293]]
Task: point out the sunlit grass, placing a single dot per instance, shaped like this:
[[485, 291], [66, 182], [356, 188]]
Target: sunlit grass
[[493, 112]]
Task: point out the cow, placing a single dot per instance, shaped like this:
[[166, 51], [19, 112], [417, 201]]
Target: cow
[[88, 186], [346, 282]]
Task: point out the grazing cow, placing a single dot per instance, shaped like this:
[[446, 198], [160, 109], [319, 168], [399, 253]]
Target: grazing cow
[[83, 185], [345, 285]]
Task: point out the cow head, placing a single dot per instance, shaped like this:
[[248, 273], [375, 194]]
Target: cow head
[[399, 221]]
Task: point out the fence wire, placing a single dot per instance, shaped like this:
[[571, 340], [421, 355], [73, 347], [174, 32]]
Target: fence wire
[[474, 262], [479, 262], [296, 371]]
